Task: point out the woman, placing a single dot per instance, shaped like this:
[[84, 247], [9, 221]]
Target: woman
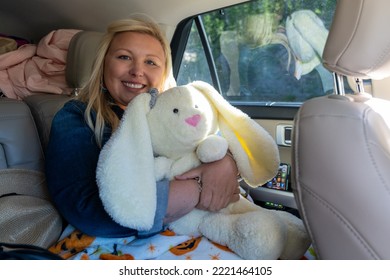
[[268, 65], [266, 61], [134, 56]]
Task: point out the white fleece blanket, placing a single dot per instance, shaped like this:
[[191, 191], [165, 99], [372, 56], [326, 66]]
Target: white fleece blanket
[[73, 245]]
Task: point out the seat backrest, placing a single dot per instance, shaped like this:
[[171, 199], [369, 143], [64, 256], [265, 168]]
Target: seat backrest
[[26, 213], [19, 141], [43, 108], [341, 147]]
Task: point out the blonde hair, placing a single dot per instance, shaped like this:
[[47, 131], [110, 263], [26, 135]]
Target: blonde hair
[[262, 29], [92, 93]]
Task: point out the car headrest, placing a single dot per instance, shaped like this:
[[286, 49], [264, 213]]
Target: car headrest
[[358, 43], [80, 57]]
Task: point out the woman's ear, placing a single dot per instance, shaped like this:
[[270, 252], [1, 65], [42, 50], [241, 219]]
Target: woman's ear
[[125, 171], [253, 148]]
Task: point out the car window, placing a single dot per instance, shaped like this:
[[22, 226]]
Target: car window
[[261, 52]]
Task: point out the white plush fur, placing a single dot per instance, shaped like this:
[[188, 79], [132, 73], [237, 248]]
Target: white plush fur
[[189, 125]]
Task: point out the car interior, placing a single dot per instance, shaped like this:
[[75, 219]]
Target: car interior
[[334, 146]]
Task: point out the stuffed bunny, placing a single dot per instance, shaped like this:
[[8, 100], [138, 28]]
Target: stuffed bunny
[[164, 135]]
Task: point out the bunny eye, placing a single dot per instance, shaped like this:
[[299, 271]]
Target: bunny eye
[[175, 110], [196, 106]]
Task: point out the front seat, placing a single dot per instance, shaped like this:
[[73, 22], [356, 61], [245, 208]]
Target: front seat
[[341, 142]]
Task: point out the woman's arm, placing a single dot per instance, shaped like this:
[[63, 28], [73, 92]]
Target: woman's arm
[[183, 198], [71, 160]]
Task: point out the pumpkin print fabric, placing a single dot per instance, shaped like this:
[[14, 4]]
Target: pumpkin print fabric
[[75, 245]]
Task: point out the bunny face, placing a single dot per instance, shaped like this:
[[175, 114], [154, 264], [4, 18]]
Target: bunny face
[[181, 115]]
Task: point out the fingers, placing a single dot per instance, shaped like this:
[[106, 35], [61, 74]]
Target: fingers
[[224, 201], [219, 183], [205, 200], [215, 201], [192, 174], [235, 197]]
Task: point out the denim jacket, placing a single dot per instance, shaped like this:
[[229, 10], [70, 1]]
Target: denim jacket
[[71, 159]]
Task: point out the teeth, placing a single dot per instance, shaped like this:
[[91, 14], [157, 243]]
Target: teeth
[[131, 85]]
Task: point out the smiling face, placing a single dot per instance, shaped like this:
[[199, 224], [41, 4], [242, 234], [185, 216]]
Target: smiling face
[[134, 63]]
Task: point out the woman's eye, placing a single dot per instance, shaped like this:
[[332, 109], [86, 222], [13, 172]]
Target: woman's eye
[[124, 57], [176, 110], [150, 62]]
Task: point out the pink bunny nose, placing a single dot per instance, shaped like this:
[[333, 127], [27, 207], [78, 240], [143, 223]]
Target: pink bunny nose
[[194, 120]]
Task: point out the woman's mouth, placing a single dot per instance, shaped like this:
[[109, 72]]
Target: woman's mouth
[[133, 85]]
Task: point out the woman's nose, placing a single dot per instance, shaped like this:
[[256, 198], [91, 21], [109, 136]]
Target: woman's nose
[[137, 69]]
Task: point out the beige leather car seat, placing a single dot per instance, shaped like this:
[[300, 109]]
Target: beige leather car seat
[[19, 142], [341, 142], [26, 213]]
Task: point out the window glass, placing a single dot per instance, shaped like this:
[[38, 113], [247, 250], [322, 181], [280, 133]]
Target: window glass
[[194, 64], [263, 51]]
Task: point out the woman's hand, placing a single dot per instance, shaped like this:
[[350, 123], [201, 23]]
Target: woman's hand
[[219, 183]]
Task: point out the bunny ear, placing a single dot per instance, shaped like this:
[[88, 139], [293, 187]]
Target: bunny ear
[[125, 170], [253, 148]]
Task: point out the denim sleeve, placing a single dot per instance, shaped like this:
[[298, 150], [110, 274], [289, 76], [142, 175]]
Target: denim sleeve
[[162, 204]]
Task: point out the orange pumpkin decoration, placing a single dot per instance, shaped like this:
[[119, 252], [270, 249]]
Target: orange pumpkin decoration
[[185, 247], [72, 244]]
